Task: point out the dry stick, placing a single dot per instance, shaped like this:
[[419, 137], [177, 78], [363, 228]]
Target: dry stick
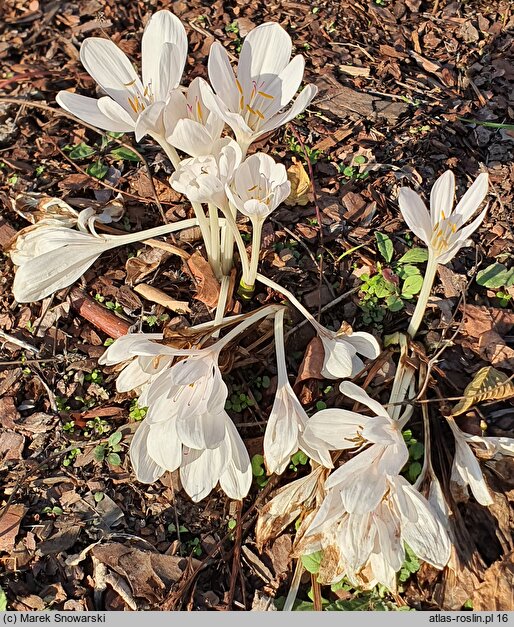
[[97, 315], [316, 206], [65, 114]]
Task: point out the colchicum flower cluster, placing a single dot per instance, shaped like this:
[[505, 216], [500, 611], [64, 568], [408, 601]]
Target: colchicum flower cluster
[[364, 512]]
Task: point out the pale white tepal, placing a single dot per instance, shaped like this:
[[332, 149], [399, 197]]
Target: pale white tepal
[[132, 104], [443, 229], [252, 101]]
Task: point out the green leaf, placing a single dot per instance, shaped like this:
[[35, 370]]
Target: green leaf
[[385, 246], [114, 459], [81, 151], [124, 154], [312, 562], [115, 438], [3, 600], [98, 170], [360, 159], [416, 451], [414, 471], [98, 496], [412, 286], [99, 453], [394, 303], [257, 462], [414, 255], [405, 271], [384, 288], [496, 275]]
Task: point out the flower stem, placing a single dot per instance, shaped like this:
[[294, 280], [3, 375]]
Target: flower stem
[[292, 299], [424, 295], [215, 240], [120, 240], [205, 229], [231, 223], [220, 307], [280, 349], [227, 250], [258, 315], [249, 284], [170, 151], [405, 372]]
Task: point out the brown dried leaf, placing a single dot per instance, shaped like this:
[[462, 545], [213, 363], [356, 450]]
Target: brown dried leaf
[[488, 384], [300, 185], [145, 263], [312, 362], [155, 295], [11, 445], [148, 574], [208, 285], [10, 525], [496, 593], [287, 504]]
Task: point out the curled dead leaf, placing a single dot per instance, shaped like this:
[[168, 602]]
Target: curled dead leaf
[[488, 384], [207, 284], [300, 185]]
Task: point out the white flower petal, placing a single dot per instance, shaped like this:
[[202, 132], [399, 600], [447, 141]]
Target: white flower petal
[[87, 109], [163, 444], [358, 394], [111, 69], [442, 197], [364, 343], [337, 363], [145, 468], [473, 198], [201, 430], [415, 214], [222, 78], [120, 349], [461, 237], [163, 27], [200, 471], [236, 479], [151, 121], [281, 436], [299, 105], [337, 428]]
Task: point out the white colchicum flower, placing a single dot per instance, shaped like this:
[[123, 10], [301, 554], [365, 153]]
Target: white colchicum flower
[[190, 125], [259, 185], [187, 426], [342, 350], [369, 548], [50, 258], [251, 103], [466, 469], [287, 421], [443, 229], [132, 104], [203, 178], [139, 370], [360, 483]]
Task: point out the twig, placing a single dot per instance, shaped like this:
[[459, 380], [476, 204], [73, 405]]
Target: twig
[[97, 315], [14, 340]]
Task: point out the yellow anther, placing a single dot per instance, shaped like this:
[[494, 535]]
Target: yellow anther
[[258, 113], [134, 104], [253, 188], [239, 88], [145, 93], [130, 84], [442, 213], [241, 103], [199, 111], [250, 109], [265, 95], [454, 228]]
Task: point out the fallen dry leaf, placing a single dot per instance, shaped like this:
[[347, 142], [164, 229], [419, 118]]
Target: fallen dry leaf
[[10, 525], [300, 185], [145, 263], [208, 287], [312, 362], [155, 295], [497, 591], [11, 445], [488, 384]]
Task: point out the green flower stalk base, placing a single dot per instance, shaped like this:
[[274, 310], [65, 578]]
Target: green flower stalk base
[[245, 291]]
